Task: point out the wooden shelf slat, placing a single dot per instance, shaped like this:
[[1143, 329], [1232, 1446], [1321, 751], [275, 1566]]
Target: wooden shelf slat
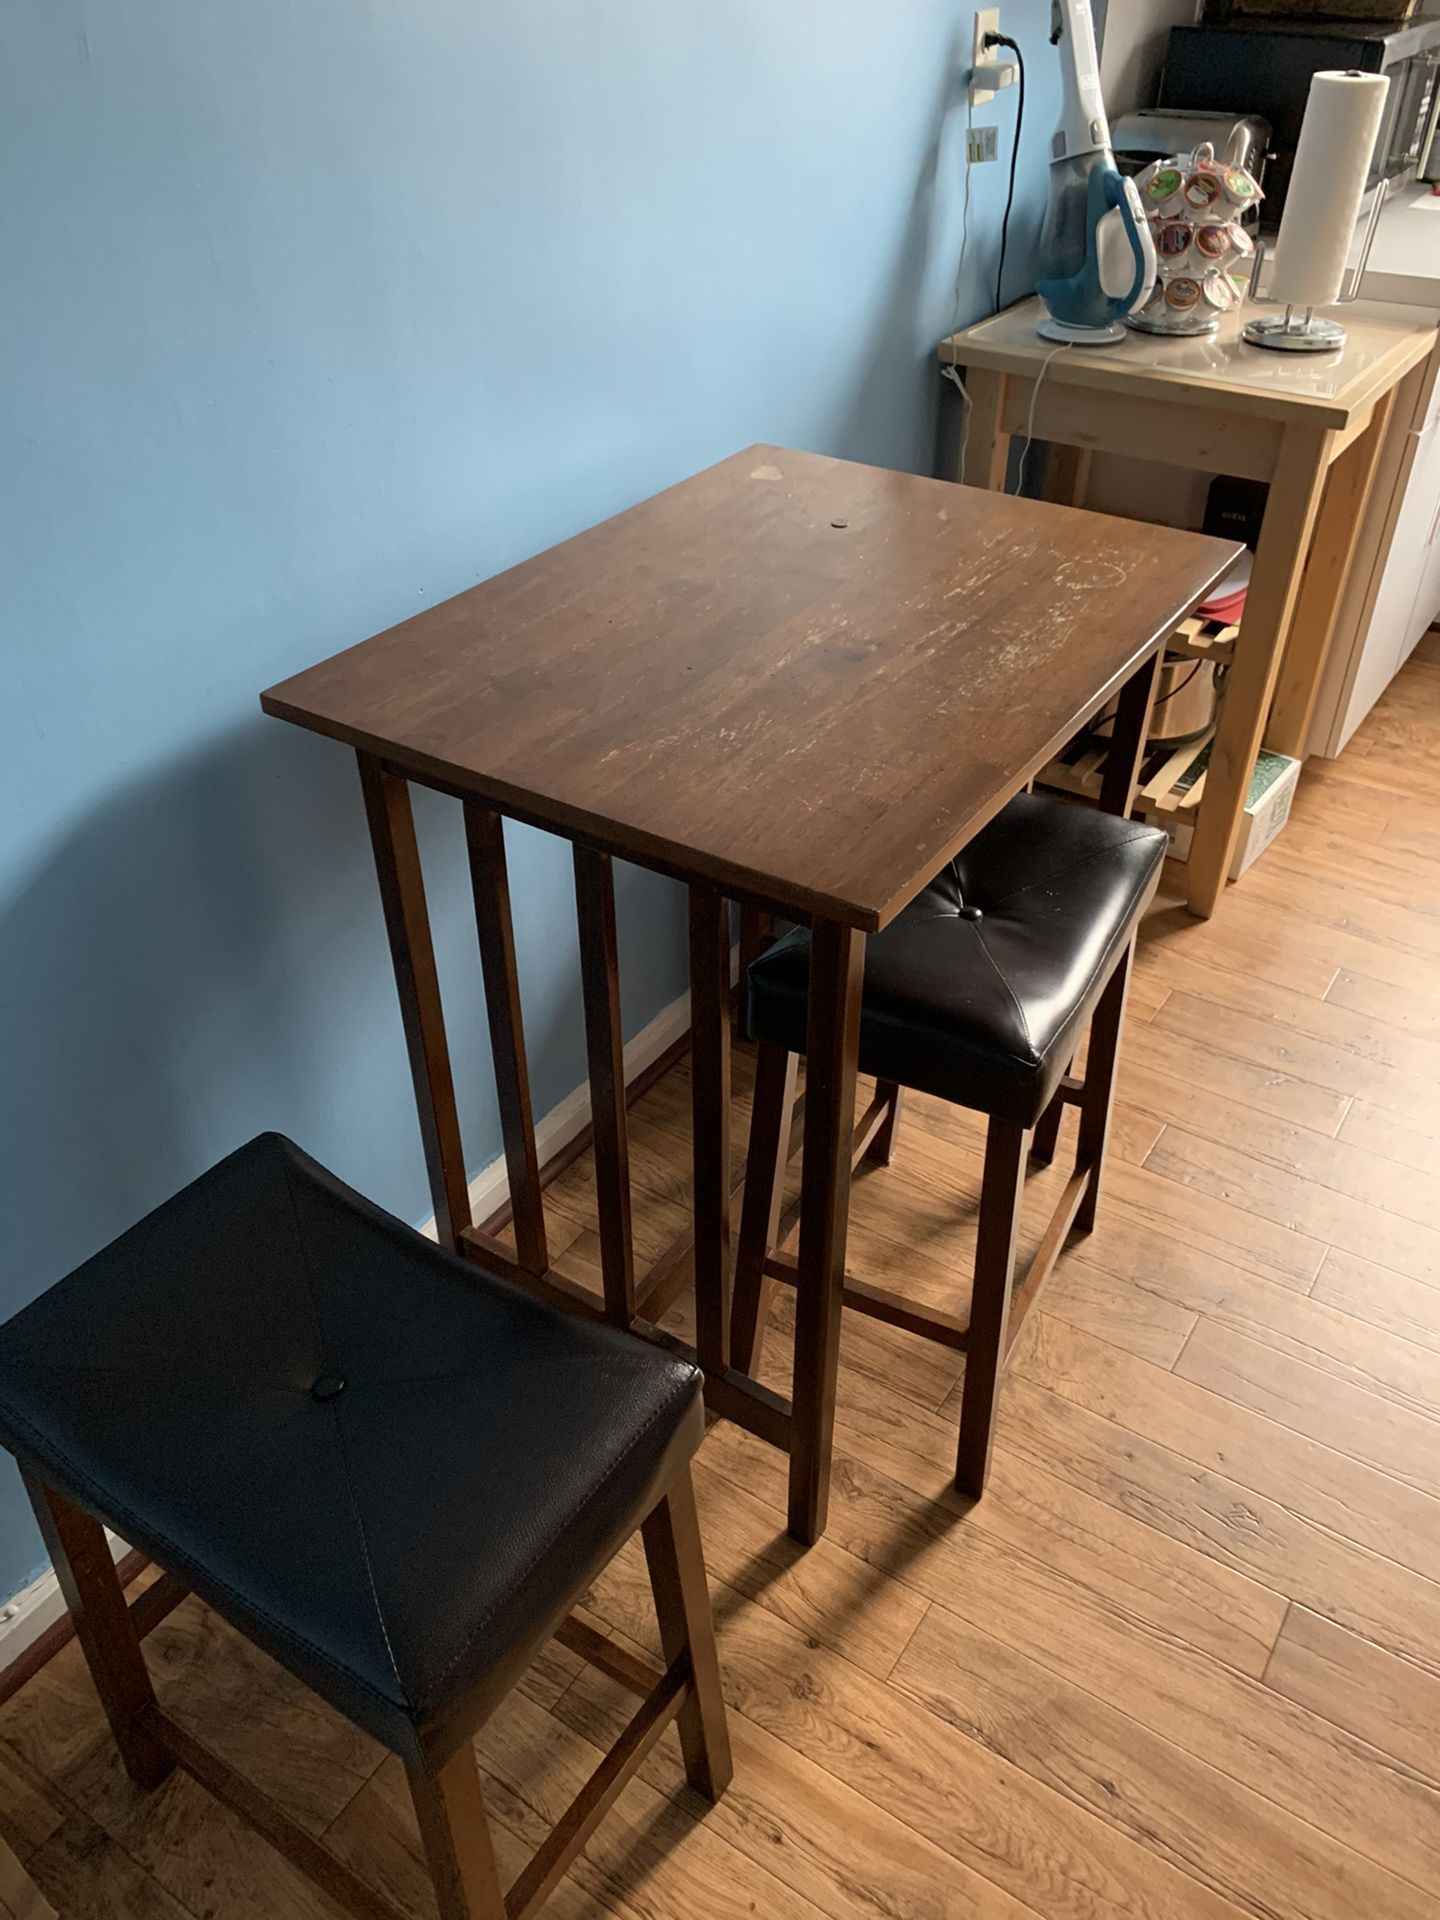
[[1080, 768]]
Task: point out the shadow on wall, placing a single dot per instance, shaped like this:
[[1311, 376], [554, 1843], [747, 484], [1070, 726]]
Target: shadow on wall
[[204, 957], [198, 941], [201, 955], [138, 964], [895, 398], [901, 411]]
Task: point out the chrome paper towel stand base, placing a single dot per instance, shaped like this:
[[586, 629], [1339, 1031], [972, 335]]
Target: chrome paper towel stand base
[[1310, 334]]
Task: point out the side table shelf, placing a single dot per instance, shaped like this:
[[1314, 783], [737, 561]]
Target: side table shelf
[[1169, 782], [1171, 788]]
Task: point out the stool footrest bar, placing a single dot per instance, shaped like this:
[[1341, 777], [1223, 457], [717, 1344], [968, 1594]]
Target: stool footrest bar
[[663, 1695], [879, 1303], [600, 1792], [617, 1662], [1027, 1289], [156, 1603], [257, 1810], [551, 1285], [868, 1125], [736, 1397]]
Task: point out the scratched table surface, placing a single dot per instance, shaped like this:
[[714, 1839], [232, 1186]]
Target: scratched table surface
[[807, 680]]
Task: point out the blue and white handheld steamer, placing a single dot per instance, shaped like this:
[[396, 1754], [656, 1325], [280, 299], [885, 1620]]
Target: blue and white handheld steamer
[[1097, 253]]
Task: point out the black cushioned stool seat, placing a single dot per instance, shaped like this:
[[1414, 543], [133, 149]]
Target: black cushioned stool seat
[[390, 1470], [979, 992]]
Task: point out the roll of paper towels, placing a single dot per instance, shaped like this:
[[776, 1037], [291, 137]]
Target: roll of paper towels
[[1342, 117]]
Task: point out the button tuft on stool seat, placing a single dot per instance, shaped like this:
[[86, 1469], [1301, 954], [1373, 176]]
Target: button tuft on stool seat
[[978, 990], [391, 1470]]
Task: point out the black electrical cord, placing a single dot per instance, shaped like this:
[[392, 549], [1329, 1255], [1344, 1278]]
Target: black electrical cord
[[1004, 40]]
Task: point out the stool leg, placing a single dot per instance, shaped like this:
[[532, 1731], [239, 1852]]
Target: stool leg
[[1099, 1096], [882, 1147], [1000, 1194], [450, 1807], [1046, 1136], [682, 1607], [770, 1118], [103, 1626], [757, 930]]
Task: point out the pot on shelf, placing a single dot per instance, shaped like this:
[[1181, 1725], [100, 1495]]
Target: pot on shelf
[[1185, 704]]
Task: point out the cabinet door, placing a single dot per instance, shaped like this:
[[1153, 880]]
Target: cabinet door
[[1392, 632], [1426, 610]]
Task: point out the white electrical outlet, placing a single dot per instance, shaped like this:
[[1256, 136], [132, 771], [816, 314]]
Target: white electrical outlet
[[987, 20], [988, 71]]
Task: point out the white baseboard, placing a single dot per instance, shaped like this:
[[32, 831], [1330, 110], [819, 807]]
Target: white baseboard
[[37, 1607], [491, 1186]]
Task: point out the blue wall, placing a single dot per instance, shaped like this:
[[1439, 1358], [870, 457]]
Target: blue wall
[[314, 312]]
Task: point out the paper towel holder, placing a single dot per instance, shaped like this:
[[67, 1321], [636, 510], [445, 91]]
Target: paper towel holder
[[1312, 332]]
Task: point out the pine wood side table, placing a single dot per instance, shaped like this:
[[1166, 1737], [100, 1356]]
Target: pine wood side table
[[791, 682], [1312, 425]]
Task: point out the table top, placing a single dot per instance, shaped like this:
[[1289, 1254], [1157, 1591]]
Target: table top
[[1319, 389], [807, 681]]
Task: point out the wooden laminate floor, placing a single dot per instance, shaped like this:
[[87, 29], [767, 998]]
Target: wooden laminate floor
[[1182, 1663]]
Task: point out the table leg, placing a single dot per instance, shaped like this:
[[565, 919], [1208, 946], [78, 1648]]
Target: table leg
[[757, 929], [987, 445], [832, 1037], [710, 1109], [1127, 738], [1338, 527], [1067, 474], [490, 883], [605, 1045], [407, 922], [1285, 535]]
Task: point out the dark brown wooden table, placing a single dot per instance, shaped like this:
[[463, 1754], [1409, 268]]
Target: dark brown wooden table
[[792, 682]]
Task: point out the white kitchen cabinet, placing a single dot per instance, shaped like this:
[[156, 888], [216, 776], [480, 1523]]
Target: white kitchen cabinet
[[1406, 601]]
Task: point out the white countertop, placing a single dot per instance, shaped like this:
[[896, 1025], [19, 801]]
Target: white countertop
[[1404, 267], [1316, 389]]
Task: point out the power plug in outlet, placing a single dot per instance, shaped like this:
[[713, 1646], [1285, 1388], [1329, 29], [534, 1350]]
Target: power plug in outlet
[[989, 72], [982, 143], [987, 20]]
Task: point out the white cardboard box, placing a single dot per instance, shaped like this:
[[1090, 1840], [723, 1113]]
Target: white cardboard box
[[1272, 788]]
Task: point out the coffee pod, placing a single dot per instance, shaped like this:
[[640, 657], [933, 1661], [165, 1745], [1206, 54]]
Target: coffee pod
[[1239, 188], [1213, 240], [1241, 241], [1202, 190], [1220, 291], [1163, 185], [1172, 241], [1182, 293]]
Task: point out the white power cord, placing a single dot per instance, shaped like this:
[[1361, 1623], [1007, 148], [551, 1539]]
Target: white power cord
[[1063, 347], [951, 372]]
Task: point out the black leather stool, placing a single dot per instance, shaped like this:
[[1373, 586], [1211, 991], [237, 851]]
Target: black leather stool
[[391, 1471], [978, 992]]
